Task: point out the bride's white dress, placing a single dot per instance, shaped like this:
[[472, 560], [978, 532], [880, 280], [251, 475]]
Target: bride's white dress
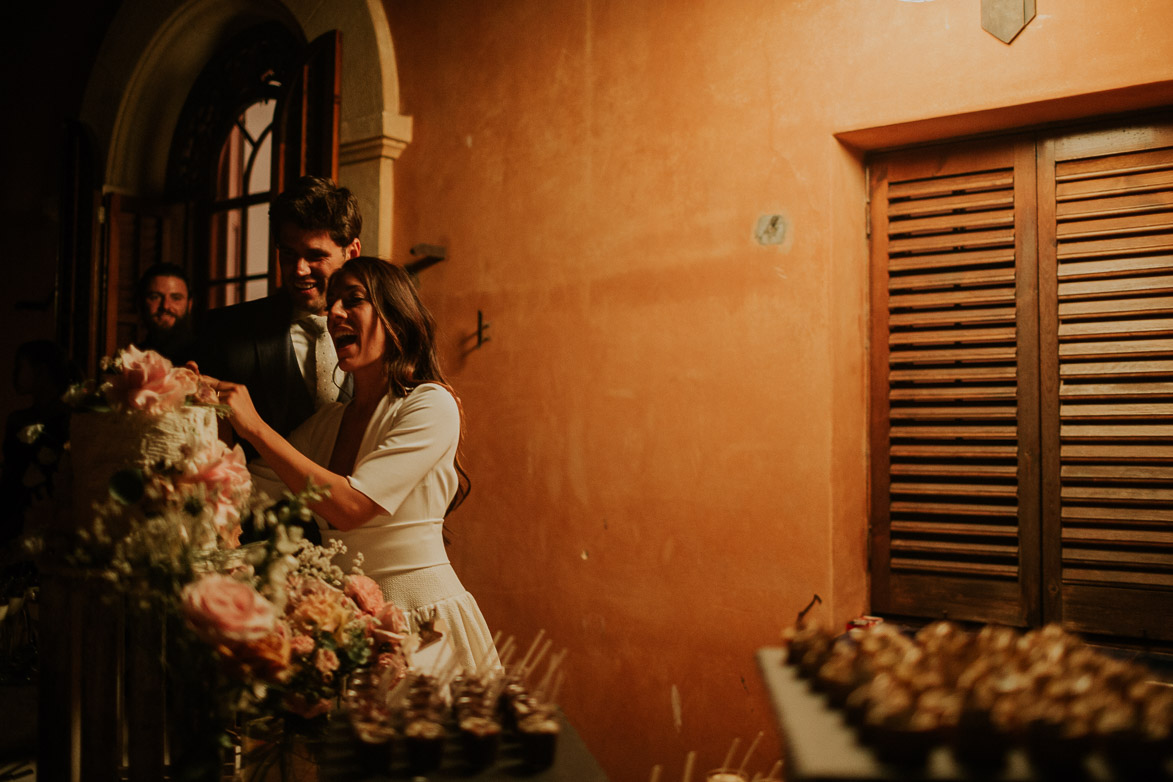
[[406, 465]]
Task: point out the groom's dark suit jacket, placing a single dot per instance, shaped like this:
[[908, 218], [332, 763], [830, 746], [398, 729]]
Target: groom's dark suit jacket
[[249, 343]]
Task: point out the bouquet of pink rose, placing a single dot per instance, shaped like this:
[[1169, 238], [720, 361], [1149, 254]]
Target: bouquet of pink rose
[[142, 380], [143, 444], [283, 631]]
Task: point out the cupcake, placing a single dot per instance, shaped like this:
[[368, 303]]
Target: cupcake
[[724, 775], [480, 737], [424, 741], [899, 733], [539, 738], [373, 747]]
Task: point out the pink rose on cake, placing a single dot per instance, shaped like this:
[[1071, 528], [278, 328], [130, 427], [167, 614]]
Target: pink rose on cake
[[220, 476], [145, 380], [222, 609]]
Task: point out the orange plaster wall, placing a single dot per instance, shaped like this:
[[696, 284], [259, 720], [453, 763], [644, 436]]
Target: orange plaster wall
[[667, 429]]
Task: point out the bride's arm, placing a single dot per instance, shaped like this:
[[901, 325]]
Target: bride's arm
[[345, 508]]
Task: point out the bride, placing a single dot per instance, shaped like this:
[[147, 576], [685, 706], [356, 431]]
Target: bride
[[388, 456]]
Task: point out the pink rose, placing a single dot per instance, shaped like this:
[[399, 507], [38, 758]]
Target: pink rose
[[266, 658], [221, 477], [220, 609], [148, 382], [301, 645], [222, 470], [205, 394], [366, 593], [326, 661], [393, 619]]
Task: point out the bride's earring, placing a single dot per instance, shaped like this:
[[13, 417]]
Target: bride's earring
[[334, 377]]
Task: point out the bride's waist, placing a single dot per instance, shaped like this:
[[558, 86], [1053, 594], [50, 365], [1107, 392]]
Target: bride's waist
[[396, 547]]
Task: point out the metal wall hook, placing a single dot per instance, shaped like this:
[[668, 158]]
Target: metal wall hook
[[425, 255], [482, 327]]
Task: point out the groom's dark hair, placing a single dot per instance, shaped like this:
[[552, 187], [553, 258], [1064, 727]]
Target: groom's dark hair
[[317, 204]]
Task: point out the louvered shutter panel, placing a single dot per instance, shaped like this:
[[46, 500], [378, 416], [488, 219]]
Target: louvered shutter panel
[[954, 396], [1106, 229], [306, 134]]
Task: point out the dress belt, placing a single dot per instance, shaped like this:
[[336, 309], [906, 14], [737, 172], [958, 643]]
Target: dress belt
[[399, 547]]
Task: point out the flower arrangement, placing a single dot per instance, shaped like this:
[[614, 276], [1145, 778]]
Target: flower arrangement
[[264, 631], [285, 628], [141, 380]]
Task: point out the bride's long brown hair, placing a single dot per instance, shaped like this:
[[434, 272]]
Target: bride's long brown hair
[[411, 357]]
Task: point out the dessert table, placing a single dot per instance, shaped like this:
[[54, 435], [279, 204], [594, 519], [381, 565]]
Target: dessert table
[[822, 747], [573, 762]]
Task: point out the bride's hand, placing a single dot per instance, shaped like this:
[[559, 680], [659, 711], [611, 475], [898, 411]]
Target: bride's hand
[[244, 419]]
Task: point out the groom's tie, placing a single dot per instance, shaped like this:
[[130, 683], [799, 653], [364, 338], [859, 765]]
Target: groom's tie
[[321, 359]]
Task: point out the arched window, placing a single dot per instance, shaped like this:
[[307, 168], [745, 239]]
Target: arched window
[[141, 177], [238, 248], [263, 111]]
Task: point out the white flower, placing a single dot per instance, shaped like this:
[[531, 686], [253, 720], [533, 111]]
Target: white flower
[[31, 433]]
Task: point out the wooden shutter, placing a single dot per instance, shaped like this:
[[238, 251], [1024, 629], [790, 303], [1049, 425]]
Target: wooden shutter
[[1106, 265], [76, 291], [306, 131], [955, 377], [309, 116]]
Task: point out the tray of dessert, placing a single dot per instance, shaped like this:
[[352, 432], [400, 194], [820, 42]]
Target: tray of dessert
[[879, 703], [439, 725]]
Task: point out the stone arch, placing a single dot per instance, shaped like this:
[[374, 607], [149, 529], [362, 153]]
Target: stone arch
[[155, 49]]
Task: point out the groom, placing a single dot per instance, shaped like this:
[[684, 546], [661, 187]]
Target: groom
[[278, 346]]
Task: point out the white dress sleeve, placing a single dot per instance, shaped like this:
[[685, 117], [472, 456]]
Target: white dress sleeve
[[416, 439]]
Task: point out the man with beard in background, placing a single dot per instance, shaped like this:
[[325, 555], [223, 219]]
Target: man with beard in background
[[164, 302]]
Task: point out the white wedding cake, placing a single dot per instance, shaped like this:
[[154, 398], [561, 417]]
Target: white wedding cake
[[102, 443]]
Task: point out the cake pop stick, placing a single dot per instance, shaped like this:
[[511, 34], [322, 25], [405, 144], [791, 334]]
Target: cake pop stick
[[479, 660], [655, 777], [436, 666], [448, 670], [541, 653], [775, 772], [398, 693], [553, 697], [554, 661], [689, 761], [532, 648], [748, 752], [729, 755], [505, 653]]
